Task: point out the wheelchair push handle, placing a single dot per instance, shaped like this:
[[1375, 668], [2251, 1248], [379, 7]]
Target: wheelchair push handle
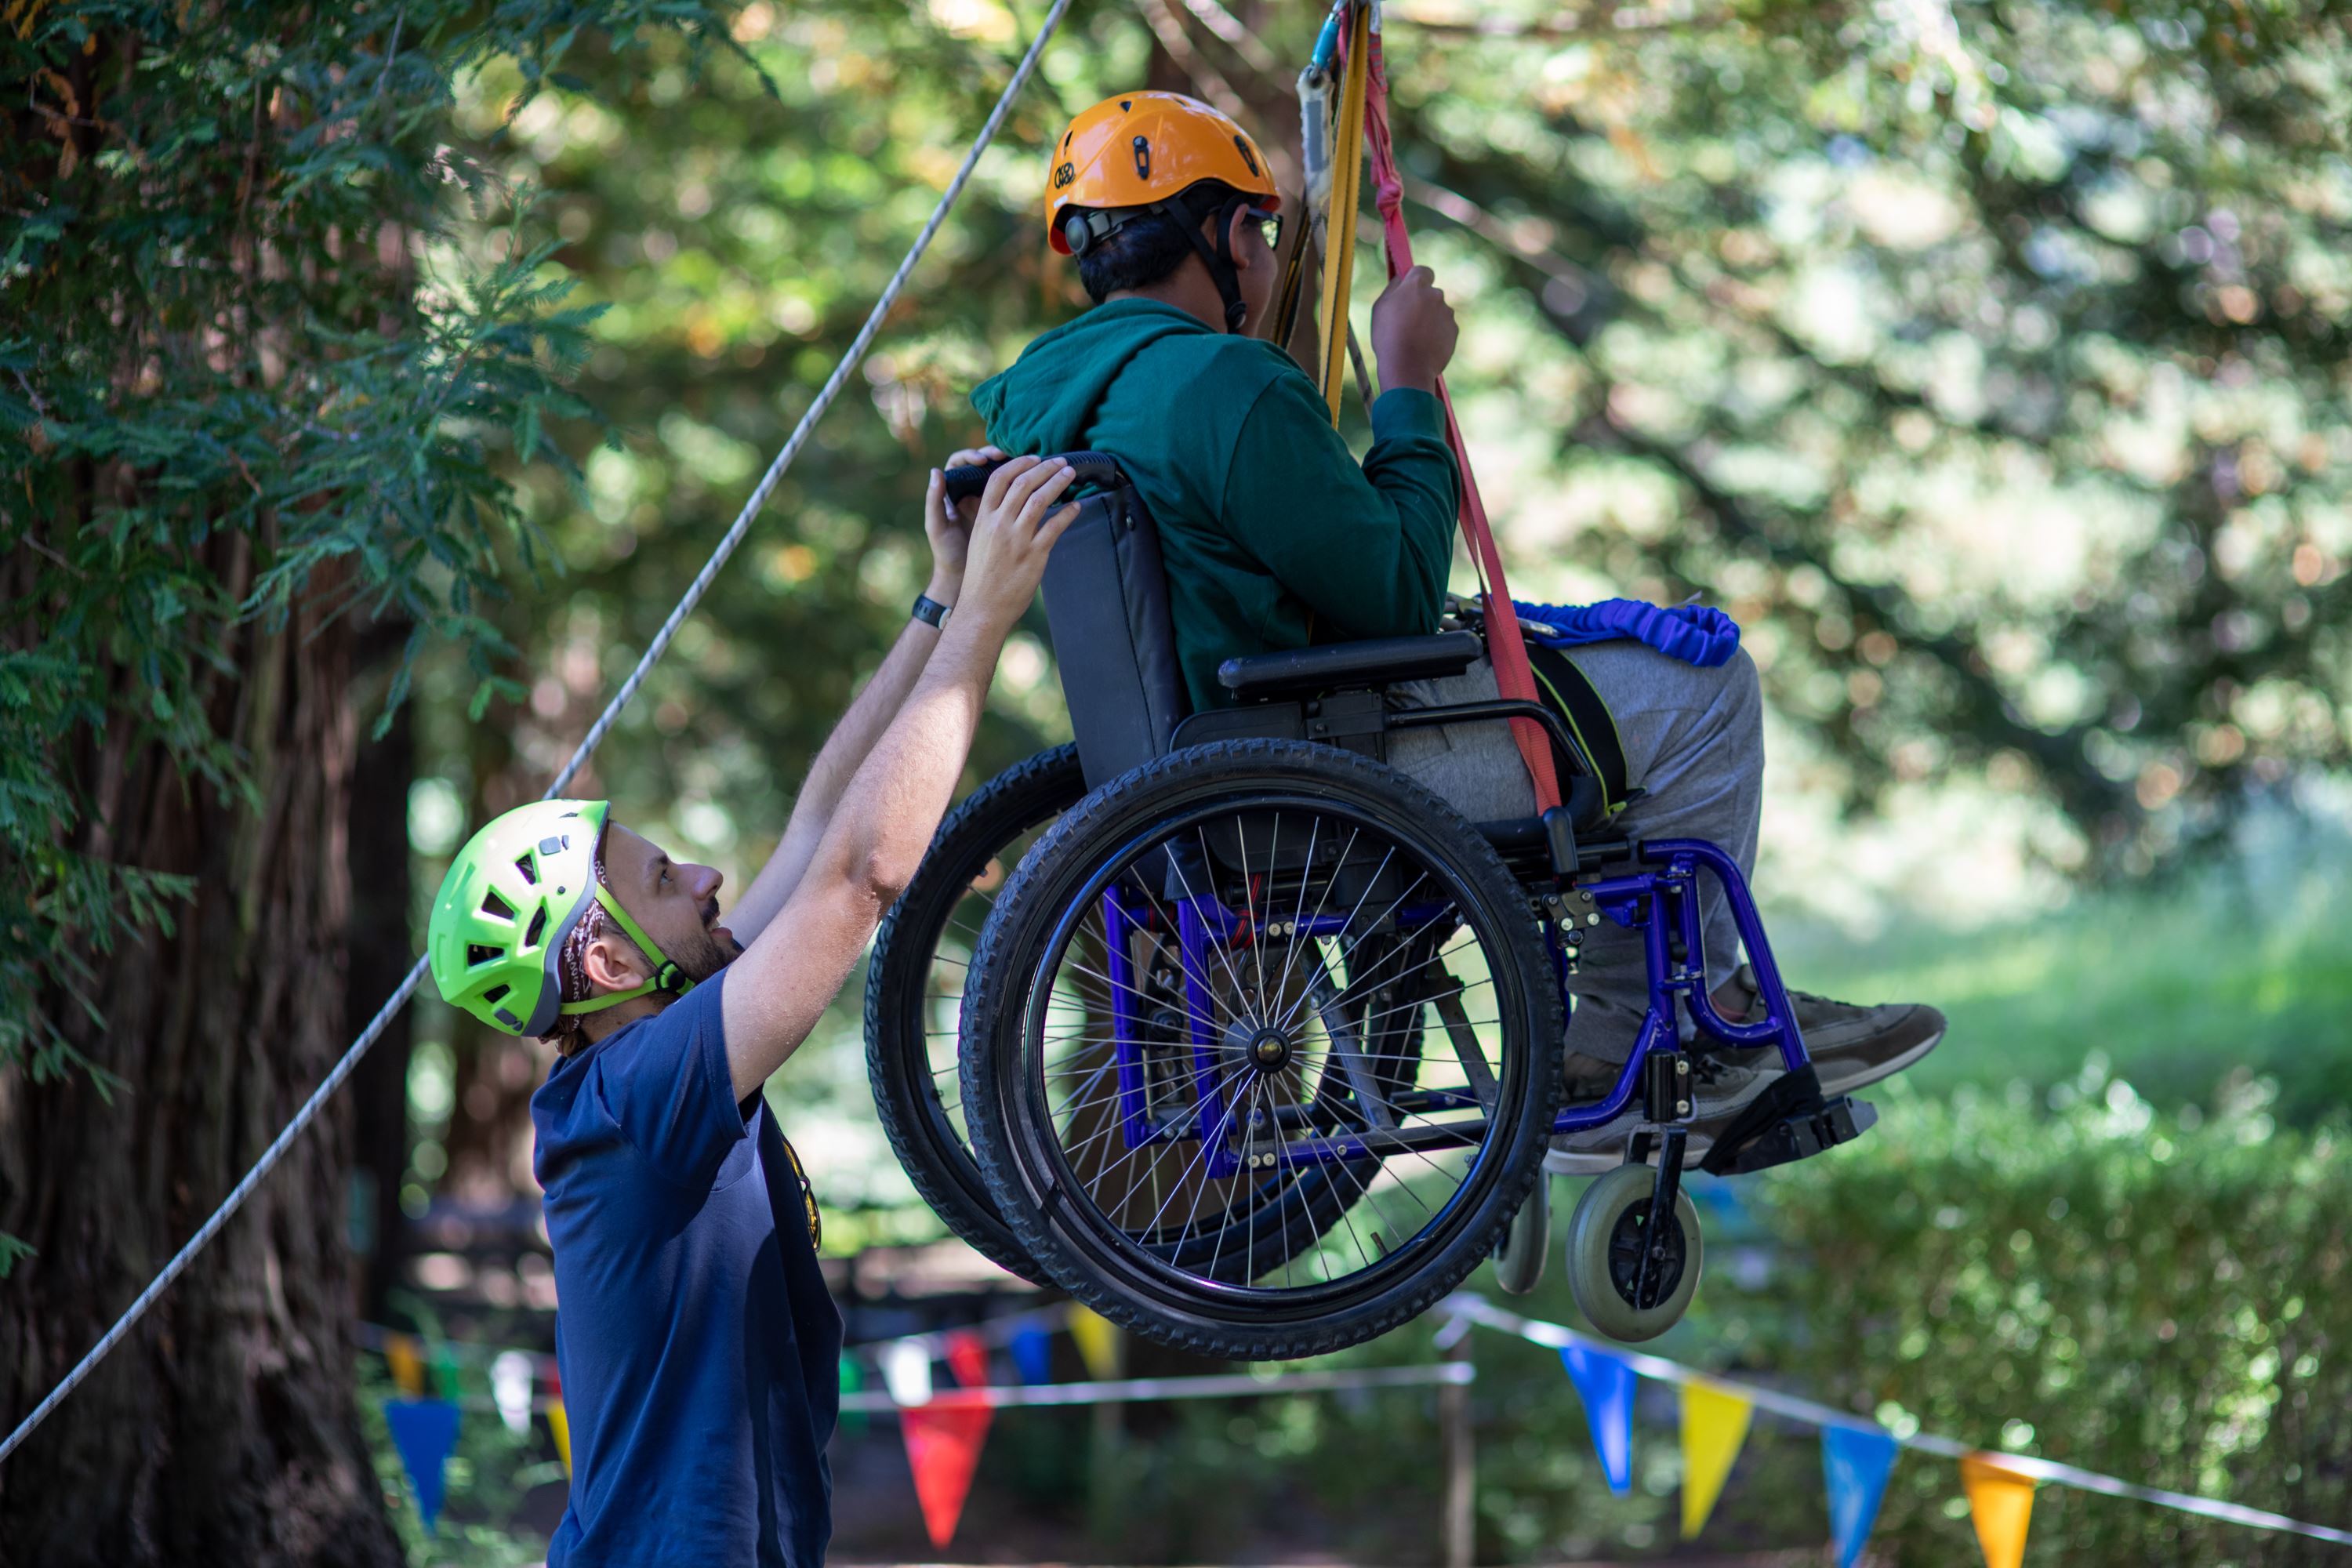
[[1097, 471]]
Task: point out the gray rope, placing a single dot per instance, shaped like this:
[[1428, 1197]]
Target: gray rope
[[596, 732]]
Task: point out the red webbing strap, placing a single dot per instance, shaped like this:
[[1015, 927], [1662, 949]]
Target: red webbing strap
[[1512, 676]]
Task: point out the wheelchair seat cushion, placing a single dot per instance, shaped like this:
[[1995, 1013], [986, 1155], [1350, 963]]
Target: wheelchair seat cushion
[[1379, 661]]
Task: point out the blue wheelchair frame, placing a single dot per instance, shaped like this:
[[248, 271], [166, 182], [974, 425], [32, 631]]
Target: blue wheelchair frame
[[1644, 899], [1105, 592]]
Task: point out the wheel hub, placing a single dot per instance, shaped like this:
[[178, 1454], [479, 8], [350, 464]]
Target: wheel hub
[[1665, 1244], [1262, 1045]]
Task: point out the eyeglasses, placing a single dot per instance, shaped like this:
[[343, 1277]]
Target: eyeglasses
[[1269, 224]]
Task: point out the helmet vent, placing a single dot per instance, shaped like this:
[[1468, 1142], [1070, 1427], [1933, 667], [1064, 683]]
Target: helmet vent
[[529, 871], [478, 953], [1242, 147], [494, 905], [538, 925], [1143, 157], [496, 993]]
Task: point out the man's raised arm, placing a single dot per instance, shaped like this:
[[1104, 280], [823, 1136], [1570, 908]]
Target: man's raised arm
[[873, 840], [948, 525]]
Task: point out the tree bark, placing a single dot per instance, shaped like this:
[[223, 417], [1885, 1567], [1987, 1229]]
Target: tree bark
[[224, 1428], [382, 946]]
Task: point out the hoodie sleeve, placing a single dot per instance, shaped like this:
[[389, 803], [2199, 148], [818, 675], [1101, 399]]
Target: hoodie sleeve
[[1367, 548]]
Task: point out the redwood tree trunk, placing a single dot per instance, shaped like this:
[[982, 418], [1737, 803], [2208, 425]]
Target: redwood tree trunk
[[224, 1429], [382, 949]]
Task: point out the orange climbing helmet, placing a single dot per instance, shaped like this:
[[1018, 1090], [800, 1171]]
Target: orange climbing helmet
[[1138, 150]]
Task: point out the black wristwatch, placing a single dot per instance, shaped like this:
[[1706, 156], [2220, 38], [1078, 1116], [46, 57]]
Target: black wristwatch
[[929, 609]]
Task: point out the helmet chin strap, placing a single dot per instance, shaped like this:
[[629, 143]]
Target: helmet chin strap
[[1219, 260], [667, 976]]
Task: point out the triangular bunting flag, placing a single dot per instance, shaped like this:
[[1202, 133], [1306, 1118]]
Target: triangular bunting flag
[[510, 1390], [905, 1372], [1097, 1340], [1858, 1460], [1606, 1386], [853, 1381], [968, 1359], [559, 1426], [423, 1431], [1715, 1424], [445, 1372], [943, 1443], [1033, 1354], [407, 1366], [2001, 1501]]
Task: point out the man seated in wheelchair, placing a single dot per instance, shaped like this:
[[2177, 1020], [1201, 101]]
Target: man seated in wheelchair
[[1274, 536]]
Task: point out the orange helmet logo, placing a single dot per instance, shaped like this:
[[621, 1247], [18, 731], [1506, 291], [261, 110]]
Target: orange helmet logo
[[1144, 147]]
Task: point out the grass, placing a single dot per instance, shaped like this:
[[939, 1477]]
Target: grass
[[2216, 985]]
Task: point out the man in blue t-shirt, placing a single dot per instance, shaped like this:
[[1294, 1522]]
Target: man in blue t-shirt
[[698, 1345]]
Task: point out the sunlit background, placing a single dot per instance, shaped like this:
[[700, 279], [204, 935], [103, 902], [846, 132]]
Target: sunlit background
[[1986, 363]]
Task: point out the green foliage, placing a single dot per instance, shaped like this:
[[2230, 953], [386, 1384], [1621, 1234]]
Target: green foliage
[[2221, 986], [2102, 1287], [276, 374], [1985, 361], [490, 1473]]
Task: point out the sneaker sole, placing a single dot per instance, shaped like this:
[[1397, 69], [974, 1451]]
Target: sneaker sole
[[1862, 1078]]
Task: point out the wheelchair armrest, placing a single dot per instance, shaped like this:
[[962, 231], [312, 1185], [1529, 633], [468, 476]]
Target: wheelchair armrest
[[1380, 661]]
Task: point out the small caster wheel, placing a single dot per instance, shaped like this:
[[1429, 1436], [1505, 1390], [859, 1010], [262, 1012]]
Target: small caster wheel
[[1519, 1256], [1607, 1237]]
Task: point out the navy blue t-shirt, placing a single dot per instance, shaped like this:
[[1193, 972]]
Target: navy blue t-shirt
[[699, 1348]]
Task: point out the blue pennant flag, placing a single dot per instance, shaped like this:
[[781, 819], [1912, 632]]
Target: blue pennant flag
[[1033, 1354], [423, 1430], [1606, 1386], [1858, 1460]]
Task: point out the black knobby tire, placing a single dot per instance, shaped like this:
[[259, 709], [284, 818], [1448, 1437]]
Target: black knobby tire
[[1017, 1155], [907, 1100]]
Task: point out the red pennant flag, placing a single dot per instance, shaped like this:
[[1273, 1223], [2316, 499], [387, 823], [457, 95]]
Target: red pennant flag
[[943, 1443], [968, 1359]]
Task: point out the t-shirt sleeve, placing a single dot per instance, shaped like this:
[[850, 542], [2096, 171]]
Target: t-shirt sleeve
[[668, 1087], [1368, 548]]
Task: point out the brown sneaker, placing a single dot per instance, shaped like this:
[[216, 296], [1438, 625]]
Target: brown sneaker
[[1854, 1046]]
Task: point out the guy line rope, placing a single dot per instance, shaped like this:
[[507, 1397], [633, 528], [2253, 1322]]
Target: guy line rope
[[596, 732]]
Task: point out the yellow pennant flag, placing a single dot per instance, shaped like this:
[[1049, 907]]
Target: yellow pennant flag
[[2001, 1501], [407, 1366], [1715, 1424], [1098, 1339], [560, 1424]]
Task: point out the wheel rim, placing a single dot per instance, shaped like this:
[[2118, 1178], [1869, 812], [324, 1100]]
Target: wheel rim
[[939, 1011], [1629, 1239], [1611, 1225], [1350, 1001]]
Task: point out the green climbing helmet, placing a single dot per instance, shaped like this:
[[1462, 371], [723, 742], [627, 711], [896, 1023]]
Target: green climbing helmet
[[511, 897]]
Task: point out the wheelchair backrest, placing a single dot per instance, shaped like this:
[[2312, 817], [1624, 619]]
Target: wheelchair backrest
[[1107, 606]]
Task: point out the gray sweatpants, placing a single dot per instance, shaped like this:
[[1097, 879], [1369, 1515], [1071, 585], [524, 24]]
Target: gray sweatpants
[[1693, 741]]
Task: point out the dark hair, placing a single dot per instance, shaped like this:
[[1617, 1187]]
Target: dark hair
[[1148, 247], [571, 1033]]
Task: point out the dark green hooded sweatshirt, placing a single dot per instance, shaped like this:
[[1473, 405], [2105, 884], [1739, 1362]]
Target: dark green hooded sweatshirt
[[1272, 536]]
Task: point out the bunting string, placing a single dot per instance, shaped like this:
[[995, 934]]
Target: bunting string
[[1221, 1386], [1470, 1308]]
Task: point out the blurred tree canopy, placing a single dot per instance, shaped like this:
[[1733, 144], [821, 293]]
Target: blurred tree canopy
[[1986, 361]]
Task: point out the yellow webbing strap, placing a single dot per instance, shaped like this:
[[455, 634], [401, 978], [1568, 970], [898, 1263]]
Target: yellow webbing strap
[[1339, 221], [1293, 277]]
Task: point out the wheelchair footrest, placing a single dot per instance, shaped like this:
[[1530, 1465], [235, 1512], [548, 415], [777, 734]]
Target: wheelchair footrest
[[1792, 1120], [1799, 1137]]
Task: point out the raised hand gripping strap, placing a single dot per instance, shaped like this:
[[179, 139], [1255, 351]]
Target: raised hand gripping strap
[[1513, 676]]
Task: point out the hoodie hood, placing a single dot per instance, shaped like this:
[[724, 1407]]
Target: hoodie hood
[[1046, 401]]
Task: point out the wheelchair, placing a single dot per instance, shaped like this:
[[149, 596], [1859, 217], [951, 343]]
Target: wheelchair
[[1253, 1043]]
